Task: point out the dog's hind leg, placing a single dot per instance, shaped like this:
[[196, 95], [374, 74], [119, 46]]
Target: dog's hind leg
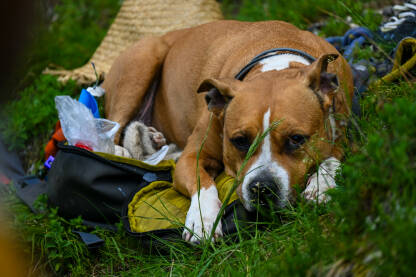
[[130, 77]]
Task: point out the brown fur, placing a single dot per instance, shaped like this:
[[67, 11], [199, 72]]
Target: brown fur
[[217, 51]]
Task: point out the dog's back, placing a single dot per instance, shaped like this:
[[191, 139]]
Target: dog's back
[[187, 57], [217, 50]]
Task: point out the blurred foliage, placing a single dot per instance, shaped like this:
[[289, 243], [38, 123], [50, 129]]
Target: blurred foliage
[[67, 36], [375, 205], [70, 32], [77, 29], [34, 114]]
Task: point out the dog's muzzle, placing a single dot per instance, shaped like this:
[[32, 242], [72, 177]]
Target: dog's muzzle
[[264, 193]]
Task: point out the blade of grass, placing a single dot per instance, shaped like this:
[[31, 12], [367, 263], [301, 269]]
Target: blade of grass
[[257, 141]]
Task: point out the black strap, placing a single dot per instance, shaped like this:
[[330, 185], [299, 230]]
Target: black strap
[[92, 241], [28, 189], [270, 53]]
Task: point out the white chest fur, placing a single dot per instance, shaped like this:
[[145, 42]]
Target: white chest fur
[[282, 61]]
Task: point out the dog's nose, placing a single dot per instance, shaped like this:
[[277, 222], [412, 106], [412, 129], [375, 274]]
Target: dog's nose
[[263, 193]]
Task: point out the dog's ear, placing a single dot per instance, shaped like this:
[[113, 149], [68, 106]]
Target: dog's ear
[[324, 84], [218, 93]]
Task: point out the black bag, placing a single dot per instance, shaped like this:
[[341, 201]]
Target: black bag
[[83, 183], [99, 187]]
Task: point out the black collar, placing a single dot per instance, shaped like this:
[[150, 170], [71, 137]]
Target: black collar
[[269, 53]]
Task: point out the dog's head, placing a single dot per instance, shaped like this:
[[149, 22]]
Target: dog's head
[[298, 99]]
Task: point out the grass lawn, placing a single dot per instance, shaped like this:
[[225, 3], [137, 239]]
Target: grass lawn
[[369, 227]]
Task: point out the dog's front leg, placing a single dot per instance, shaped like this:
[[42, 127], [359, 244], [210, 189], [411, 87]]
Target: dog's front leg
[[205, 204]]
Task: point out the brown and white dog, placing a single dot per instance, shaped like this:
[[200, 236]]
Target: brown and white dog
[[305, 97]]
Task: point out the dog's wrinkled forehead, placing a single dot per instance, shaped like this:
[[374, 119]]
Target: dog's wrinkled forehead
[[289, 87], [287, 99], [295, 109]]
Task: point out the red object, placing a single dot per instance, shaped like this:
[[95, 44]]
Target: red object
[[52, 146], [4, 179], [83, 146]]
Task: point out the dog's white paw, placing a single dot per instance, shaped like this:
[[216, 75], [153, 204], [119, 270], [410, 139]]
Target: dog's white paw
[[315, 191], [201, 216], [323, 180]]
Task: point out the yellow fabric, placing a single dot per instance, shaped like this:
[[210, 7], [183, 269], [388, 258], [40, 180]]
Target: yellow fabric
[[224, 185], [159, 206], [163, 165], [402, 65]]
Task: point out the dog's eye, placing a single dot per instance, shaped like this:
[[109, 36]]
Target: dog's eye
[[295, 141], [242, 143]]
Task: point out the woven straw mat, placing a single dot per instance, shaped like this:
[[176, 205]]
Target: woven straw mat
[[136, 19]]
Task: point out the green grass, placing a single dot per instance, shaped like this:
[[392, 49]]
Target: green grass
[[368, 226], [304, 13], [34, 114], [70, 36]]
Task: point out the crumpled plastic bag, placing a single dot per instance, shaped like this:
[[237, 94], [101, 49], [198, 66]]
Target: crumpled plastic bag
[[81, 128]]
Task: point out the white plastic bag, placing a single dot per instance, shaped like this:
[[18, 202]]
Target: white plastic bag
[[158, 156], [106, 131], [81, 128]]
